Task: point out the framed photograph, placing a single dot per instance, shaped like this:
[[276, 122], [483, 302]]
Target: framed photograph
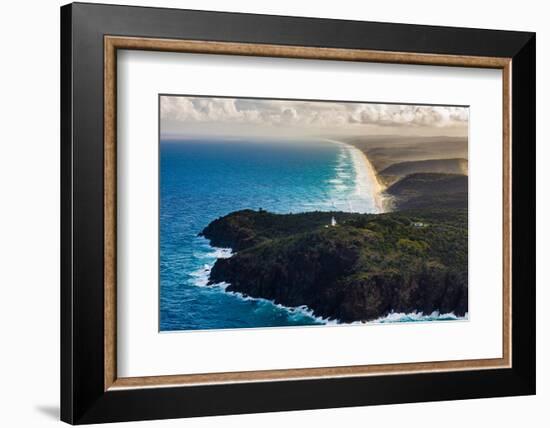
[[267, 213]]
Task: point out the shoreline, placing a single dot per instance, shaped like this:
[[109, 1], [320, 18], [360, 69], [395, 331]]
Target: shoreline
[[379, 199], [295, 242], [320, 321], [201, 277], [380, 202]]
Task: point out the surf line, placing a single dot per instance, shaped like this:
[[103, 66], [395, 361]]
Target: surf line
[[201, 278], [365, 175]]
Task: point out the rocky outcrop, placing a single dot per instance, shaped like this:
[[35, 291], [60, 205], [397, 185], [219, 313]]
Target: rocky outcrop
[[361, 269]]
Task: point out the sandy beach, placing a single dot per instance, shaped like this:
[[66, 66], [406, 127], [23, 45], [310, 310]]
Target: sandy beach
[[378, 187], [379, 199]]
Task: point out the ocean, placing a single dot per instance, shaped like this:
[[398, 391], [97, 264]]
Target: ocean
[[201, 180]]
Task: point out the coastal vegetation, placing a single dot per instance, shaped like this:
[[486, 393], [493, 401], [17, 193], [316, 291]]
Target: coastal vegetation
[[363, 268], [429, 190], [396, 171]]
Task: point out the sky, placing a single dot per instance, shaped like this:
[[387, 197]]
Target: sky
[[188, 116]]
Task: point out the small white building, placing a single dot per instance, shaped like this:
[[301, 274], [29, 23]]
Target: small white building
[[332, 222]]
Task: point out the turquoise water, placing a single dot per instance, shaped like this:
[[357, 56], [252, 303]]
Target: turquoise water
[[203, 180]]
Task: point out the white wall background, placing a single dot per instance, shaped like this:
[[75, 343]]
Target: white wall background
[[29, 216]]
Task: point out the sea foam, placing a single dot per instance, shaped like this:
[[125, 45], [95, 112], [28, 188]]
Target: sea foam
[[396, 317], [355, 187], [201, 278]]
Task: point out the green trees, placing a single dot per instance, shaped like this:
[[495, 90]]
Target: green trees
[[361, 269]]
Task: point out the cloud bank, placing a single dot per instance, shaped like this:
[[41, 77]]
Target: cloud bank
[[235, 116]]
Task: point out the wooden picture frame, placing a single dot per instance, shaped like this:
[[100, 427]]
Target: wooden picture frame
[[91, 390]]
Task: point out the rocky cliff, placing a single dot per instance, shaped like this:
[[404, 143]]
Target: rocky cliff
[[361, 269]]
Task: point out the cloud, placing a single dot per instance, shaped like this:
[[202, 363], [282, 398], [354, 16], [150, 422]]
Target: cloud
[[409, 115], [311, 115]]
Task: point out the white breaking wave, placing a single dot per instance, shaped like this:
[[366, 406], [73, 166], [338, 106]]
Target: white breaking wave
[[292, 310], [201, 276], [221, 253], [394, 317], [364, 185], [399, 317], [363, 194]]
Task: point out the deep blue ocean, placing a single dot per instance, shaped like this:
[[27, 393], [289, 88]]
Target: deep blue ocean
[[201, 180]]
